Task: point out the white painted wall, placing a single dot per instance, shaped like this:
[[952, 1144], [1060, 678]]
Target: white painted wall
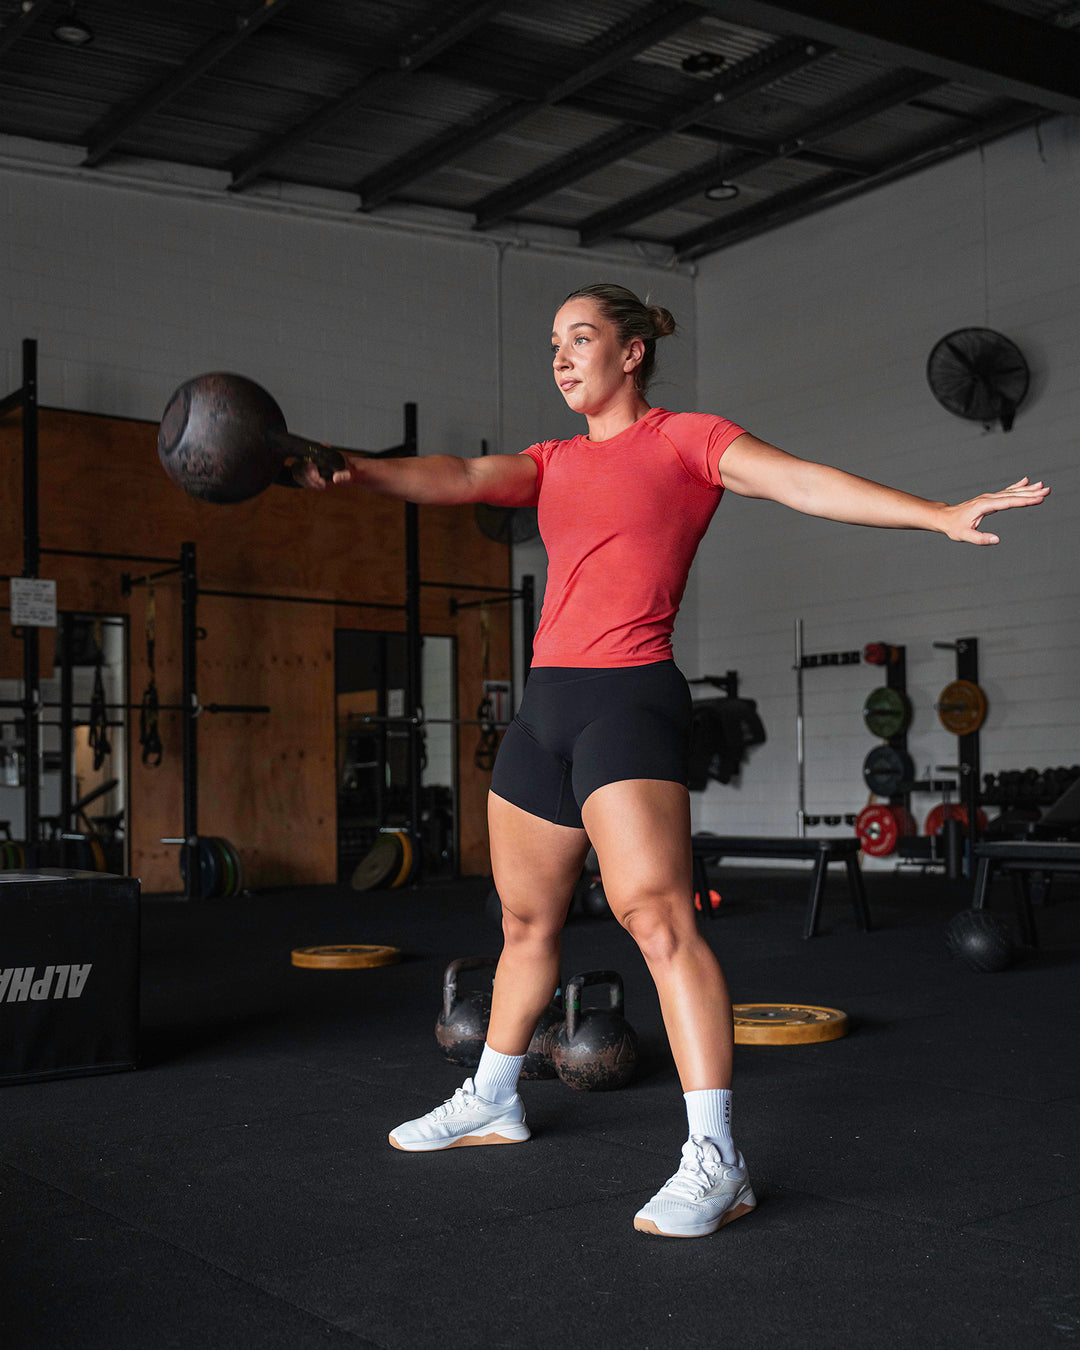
[[133, 282], [815, 337]]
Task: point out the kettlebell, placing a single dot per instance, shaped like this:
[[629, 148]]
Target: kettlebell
[[539, 1058], [595, 1050], [461, 1028]]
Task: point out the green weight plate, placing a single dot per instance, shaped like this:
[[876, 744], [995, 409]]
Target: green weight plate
[[886, 770], [886, 712], [234, 865], [228, 875]]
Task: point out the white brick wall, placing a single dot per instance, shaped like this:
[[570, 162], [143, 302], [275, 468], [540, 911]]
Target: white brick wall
[[816, 337]]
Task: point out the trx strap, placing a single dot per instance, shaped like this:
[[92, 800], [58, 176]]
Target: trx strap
[[99, 741]]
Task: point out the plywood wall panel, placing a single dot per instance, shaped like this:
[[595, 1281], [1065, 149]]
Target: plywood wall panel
[[267, 782]]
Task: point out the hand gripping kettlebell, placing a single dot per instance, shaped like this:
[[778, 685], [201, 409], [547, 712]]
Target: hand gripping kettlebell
[[595, 1049], [461, 1028]]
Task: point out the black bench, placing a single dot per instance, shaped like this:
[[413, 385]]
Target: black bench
[[1025, 860], [712, 847]]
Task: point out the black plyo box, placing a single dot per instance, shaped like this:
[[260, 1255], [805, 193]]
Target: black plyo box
[[69, 974]]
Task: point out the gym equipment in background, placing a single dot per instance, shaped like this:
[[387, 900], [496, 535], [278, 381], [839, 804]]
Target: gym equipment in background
[[596, 1049], [787, 1024], [981, 940]]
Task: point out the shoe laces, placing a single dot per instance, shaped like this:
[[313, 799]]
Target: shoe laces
[[701, 1163], [454, 1105]]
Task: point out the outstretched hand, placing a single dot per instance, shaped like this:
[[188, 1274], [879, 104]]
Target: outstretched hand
[[963, 521]]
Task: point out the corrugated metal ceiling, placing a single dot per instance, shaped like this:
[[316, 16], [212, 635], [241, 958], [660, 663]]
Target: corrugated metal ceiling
[[604, 122]]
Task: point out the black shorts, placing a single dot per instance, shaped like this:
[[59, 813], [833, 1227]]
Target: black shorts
[[578, 730]]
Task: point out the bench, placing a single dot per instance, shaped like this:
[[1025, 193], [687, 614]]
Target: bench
[[713, 847], [1024, 859]]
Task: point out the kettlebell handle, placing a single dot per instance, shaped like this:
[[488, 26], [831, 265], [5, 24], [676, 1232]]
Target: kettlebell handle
[[577, 983], [449, 988]]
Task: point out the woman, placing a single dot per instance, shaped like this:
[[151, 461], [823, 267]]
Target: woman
[[597, 752]]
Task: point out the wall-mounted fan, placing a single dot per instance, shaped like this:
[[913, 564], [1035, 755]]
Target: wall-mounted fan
[[507, 524], [978, 374]]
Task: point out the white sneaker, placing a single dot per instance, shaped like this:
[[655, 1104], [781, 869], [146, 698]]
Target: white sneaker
[[703, 1195], [464, 1119]]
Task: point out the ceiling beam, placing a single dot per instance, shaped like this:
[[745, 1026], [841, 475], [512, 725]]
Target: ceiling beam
[[762, 68], [604, 54], [806, 200], [117, 125], [983, 45], [426, 41], [13, 30], [848, 114]]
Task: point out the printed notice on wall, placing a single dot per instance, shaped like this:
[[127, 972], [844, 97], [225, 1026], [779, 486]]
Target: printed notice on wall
[[33, 603]]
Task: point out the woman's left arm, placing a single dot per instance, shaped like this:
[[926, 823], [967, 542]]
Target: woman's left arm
[[753, 468]]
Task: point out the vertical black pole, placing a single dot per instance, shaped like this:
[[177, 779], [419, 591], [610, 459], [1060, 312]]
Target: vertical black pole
[[967, 668], [412, 649], [189, 595], [528, 624], [31, 644]]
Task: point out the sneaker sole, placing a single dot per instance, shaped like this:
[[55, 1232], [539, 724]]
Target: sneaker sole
[[649, 1225], [465, 1141]]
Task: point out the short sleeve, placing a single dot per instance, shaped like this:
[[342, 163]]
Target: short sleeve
[[539, 454], [700, 440]]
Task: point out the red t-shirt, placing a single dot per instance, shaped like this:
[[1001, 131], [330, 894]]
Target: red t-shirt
[[621, 520]]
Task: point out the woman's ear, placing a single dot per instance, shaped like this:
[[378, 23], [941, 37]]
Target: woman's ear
[[635, 354]]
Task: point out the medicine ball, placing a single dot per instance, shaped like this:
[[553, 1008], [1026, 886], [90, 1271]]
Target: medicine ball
[[981, 940]]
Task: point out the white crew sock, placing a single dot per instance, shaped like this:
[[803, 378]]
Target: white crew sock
[[709, 1113], [496, 1076]]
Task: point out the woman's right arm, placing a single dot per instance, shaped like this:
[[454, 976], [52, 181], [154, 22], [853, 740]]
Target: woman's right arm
[[443, 480]]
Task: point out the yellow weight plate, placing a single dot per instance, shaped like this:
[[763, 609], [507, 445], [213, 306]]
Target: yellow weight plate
[[787, 1024], [961, 708], [406, 860], [345, 957]]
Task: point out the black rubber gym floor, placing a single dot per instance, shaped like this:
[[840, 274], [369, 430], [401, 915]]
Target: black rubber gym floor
[[919, 1180]]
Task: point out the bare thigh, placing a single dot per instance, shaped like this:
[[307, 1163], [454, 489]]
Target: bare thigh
[[535, 864]]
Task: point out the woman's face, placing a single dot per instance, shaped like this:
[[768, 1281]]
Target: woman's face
[[590, 367]]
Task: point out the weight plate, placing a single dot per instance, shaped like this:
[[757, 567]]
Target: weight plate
[[228, 863], [880, 827], [886, 770], [886, 712], [228, 876], [345, 957], [962, 707], [381, 864], [238, 863], [406, 860], [787, 1024], [935, 820], [98, 855]]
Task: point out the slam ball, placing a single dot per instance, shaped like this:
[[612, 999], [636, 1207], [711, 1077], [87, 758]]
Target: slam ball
[[981, 940]]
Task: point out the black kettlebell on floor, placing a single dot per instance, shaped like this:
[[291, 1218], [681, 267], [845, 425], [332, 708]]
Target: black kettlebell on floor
[[539, 1058], [461, 1028], [595, 1049], [981, 940]]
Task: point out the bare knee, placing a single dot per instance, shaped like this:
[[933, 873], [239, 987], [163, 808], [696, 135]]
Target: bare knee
[[531, 928], [658, 926]]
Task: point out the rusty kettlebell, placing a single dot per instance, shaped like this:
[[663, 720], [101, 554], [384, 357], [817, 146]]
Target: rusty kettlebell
[[539, 1058], [595, 1049], [223, 439], [461, 1028]]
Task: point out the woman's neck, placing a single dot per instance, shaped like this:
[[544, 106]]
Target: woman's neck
[[604, 425]]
